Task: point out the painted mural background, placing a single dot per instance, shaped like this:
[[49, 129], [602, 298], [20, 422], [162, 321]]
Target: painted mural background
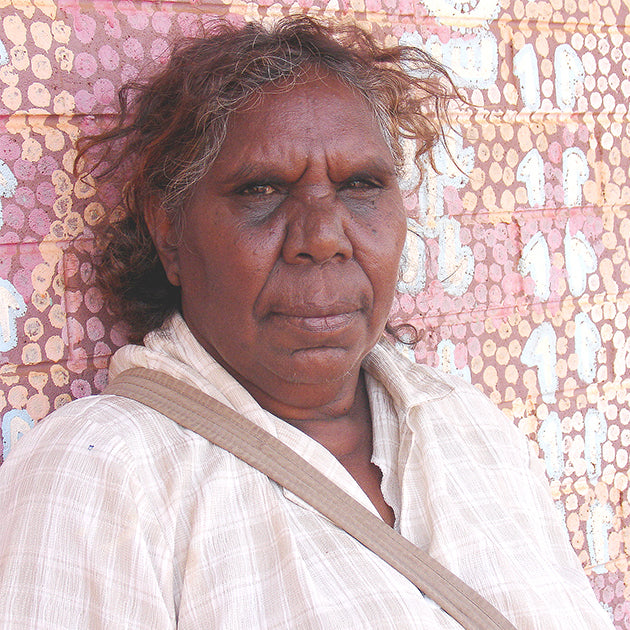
[[516, 265]]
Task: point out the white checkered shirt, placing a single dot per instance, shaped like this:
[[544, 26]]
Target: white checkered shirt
[[113, 516]]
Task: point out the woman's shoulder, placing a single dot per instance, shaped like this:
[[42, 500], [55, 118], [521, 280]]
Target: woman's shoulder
[[416, 383], [99, 423], [106, 439], [433, 401]]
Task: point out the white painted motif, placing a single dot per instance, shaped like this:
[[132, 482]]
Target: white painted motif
[[456, 263], [446, 358], [410, 177], [8, 186], [550, 440], [598, 525], [413, 263], [579, 259], [540, 352], [446, 173], [588, 342], [595, 431], [569, 77], [536, 262], [463, 14], [4, 57], [530, 171], [12, 306], [473, 60], [575, 173], [526, 70], [15, 424]]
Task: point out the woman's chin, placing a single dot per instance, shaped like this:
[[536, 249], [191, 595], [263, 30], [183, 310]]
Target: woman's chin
[[306, 379], [324, 364]]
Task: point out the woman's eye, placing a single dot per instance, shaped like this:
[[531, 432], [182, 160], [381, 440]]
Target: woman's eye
[[261, 190], [257, 201], [361, 183]]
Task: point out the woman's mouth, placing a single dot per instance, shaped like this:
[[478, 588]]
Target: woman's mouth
[[318, 323]]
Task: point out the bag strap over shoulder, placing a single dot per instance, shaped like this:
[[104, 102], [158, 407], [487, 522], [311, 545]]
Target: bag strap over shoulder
[[221, 425]]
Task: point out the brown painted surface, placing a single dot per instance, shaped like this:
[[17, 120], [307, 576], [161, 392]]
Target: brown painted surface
[[516, 264]]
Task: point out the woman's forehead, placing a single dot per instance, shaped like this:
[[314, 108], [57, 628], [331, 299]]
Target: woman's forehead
[[315, 110]]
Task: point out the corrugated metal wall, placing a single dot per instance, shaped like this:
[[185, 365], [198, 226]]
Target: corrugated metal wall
[[516, 265]]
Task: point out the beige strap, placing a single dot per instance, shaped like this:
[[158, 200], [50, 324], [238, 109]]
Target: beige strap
[[191, 408]]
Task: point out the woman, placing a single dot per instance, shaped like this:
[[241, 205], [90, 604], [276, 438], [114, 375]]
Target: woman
[[257, 254]]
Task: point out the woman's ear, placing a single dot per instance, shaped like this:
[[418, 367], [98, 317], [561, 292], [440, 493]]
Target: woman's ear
[[164, 236]]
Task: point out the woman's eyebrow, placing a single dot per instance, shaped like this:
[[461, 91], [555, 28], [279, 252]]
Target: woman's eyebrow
[[267, 168], [251, 170], [371, 166]]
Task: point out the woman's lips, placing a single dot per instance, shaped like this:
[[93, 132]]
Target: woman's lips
[[329, 322]]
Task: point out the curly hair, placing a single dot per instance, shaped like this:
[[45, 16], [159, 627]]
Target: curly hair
[[171, 127]]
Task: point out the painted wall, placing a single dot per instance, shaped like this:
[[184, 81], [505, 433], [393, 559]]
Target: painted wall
[[516, 264]]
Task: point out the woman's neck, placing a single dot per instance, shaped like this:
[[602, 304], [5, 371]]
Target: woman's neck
[[348, 434], [337, 415], [349, 438]]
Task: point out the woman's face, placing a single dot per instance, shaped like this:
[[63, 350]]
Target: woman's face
[[289, 251]]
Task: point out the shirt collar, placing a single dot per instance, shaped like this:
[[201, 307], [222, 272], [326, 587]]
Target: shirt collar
[[408, 383]]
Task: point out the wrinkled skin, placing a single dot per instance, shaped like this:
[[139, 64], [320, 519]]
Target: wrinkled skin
[[288, 256]]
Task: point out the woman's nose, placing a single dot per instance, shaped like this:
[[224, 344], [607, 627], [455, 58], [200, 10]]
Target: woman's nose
[[316, 230]]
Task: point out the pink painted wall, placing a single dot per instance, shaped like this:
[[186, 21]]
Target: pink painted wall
[[516, 264]]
